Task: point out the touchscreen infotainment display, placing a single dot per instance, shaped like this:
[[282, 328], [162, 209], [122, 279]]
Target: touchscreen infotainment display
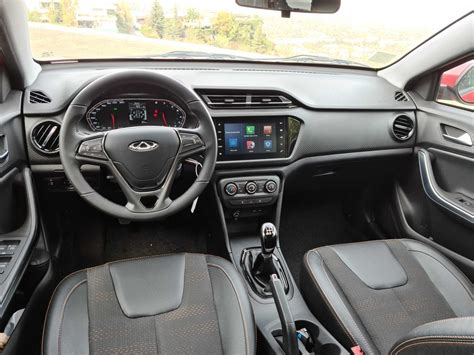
[[252, 138]]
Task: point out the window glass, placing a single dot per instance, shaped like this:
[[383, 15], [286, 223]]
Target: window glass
[[456, 86], [369, 33]]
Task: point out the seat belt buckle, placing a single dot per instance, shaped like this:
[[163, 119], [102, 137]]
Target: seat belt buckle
[[357, 350]]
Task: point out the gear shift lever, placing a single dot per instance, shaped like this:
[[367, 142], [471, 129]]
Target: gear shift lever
[[259, 264], [268, 238], [264, 266]]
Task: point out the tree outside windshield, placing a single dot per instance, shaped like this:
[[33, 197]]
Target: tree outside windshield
[[364, 32]]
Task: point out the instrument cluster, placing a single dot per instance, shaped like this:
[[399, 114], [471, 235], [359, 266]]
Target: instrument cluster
[[128, 112]]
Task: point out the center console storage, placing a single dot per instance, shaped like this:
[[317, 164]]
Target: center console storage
[[315, 344]]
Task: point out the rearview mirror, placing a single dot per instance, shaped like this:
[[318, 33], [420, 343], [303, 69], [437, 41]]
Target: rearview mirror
[[288, 6]]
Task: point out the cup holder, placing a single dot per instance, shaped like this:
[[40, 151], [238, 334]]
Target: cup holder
[[313, 330], [329, 349]]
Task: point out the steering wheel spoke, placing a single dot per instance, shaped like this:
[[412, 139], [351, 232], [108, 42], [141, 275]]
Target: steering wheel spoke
[[147, 200]]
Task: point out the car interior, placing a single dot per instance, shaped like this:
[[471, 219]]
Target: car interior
[[181, 204]]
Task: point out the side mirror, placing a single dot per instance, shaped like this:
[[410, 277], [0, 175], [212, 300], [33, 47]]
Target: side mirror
[[288, 6], [465, 86]]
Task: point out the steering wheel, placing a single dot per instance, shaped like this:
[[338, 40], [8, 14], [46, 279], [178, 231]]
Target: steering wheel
[[144, 159]]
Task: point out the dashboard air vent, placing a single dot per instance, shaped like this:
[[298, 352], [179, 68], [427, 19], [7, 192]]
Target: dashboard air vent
[[218, 100], [45, 136], [403, 127], [400, 96], [39, 97]]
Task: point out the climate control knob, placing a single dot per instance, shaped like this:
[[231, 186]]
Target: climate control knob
[[251, 187], [231, 189], [271, 186]]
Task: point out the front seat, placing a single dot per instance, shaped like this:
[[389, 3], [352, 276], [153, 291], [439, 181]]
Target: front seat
[[173, 304], [390, 297]]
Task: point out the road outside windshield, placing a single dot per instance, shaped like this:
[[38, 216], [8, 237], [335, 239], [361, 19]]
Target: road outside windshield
[[371, 33]]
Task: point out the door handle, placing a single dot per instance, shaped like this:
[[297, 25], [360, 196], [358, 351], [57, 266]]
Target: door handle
[[456, 135], [3, 148]]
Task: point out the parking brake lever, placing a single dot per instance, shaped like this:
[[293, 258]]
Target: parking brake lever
[[288, 327]]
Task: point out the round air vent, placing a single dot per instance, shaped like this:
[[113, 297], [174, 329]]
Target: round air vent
[[45, 136], [403, 127]]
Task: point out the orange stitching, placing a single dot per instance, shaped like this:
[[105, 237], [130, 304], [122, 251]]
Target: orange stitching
[[443, 261], [453, 342], [62, 312], [51, 301], [240, 304], [447, 320]]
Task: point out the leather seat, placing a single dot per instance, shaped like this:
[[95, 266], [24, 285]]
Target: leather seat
[[390, 297], [183, 303]]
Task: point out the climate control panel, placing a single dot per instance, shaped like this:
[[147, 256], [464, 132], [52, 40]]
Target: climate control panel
[[249, 191]]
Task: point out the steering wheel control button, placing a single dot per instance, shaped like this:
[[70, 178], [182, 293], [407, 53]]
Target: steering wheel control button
[[92, 149], [231, 189], [190, 142], [271, 186], [251, 187]]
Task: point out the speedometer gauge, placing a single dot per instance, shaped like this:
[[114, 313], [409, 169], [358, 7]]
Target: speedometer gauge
[[127, 112]]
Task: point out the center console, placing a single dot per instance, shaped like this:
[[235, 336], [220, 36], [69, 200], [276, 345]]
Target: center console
[[249, 206], [246, 204]]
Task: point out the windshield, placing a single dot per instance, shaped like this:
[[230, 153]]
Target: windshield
[[370, 33]]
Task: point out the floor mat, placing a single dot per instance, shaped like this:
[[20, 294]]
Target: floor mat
[[143, 239], [307, 224]]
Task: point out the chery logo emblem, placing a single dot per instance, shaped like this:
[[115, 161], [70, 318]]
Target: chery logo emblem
[[143, 146]]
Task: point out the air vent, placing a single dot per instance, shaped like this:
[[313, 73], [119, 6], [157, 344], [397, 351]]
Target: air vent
[[217, 100], [39, 97], [403, 127], [400, 96], [45, 136]]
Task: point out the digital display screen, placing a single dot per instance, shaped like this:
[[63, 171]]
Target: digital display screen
[[250, 138], [137, 112], [128, 112]]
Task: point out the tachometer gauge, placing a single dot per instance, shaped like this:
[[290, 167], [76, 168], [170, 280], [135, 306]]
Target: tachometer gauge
[[118, 113]]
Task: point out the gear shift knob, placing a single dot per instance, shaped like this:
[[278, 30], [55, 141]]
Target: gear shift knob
[[269, 236]]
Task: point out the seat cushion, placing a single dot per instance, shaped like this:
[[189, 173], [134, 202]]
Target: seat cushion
[[183, 303], [373, 293]]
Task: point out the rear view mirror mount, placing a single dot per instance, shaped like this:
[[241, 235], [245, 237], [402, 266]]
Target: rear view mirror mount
[[286, 7]]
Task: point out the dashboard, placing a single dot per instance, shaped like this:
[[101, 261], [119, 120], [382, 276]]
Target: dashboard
[[320, 112]]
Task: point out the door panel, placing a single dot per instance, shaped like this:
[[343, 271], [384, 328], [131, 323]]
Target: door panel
[[18, 214], [436, 195]]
